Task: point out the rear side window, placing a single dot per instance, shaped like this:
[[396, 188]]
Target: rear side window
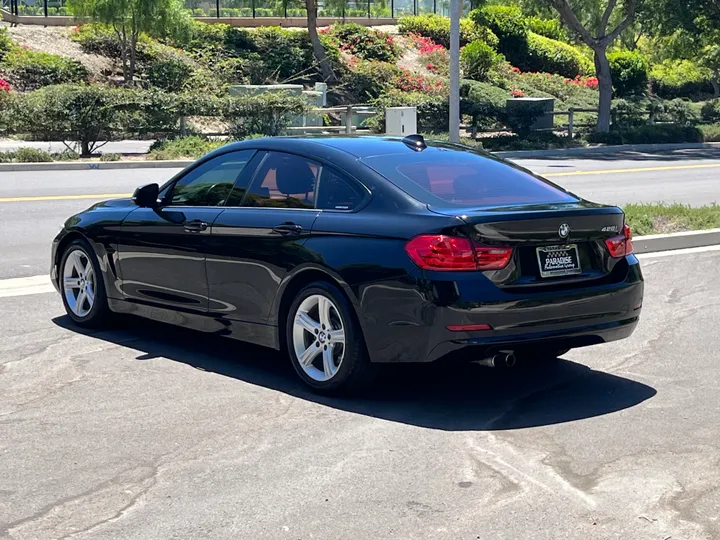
[[440, 177], [337, 192]]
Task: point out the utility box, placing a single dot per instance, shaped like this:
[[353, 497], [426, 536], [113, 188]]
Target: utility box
[[401, 121], [541, 105]]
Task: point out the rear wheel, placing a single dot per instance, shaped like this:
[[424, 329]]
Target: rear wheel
[[324, 341], [81, 283]]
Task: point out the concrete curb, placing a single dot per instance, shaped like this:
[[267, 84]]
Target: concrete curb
[[96, 165], [684, 240], [590, 150]]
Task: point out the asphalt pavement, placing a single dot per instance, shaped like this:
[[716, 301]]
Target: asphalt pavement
[[146, 432]]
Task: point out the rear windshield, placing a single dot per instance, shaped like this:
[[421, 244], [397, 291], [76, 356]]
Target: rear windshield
[[442, 177]]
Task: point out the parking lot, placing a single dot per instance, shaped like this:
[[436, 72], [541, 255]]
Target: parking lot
[[148, 432]]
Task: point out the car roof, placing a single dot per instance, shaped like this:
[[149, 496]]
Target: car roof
[[358, 146]]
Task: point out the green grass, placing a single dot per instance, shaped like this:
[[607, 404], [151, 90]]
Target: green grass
[[669, 218]]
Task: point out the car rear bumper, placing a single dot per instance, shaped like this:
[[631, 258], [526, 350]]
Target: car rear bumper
[[555, 319]]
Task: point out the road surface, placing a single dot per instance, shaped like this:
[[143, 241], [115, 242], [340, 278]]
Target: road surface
[[34, 204], [146, 432]]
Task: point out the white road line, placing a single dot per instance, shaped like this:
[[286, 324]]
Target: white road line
[[25, 286]]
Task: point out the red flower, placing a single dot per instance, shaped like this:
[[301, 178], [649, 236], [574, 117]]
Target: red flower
[[516, 69], [517, 93], [4, 86]]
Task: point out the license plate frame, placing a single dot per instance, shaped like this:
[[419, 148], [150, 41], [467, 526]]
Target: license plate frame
[[573, 253]]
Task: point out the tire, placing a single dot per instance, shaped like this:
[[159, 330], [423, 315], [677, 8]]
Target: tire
[[331, 365], [77, 259]]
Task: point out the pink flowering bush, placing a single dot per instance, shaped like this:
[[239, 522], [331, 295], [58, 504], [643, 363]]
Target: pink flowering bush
[[410, 82], [363, 42], [4, 86]]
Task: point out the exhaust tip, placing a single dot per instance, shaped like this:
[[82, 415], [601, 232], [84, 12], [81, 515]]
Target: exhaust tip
[[510, 360]]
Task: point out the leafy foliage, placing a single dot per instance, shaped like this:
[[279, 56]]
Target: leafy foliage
[[629, 71], [6, 43], [369, 79], [710, 112], [551, 56], [27, 69], [483, 103], [649, 134], [363, 42], [478, 58], [508, 24], [168, 70], [191, 147], [680, 78], [437, 28], [550, 28]]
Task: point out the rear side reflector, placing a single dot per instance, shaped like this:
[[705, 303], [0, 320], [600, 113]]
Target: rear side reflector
[[452, 253], [469, 327], [620, 246]]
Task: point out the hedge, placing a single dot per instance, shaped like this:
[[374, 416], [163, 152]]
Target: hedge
[[629, 71], [26, 69], [509, 25], [649, 134], [437, 28], [89, 114], [680, 78], [484, 103], [478, 58], [551, 56]]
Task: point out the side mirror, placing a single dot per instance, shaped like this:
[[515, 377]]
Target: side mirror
[[146, 196]]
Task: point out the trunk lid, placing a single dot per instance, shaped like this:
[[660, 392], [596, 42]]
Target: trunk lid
[[555, 245]]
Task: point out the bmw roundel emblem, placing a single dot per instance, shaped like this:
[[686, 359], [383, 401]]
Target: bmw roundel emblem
[[564, 230]]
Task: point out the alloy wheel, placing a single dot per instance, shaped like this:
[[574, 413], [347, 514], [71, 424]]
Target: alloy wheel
[[79, 283], [319, 337]]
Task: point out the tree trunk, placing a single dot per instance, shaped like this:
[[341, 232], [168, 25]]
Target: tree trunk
[[320, 56], [602, 68], [85, 149]]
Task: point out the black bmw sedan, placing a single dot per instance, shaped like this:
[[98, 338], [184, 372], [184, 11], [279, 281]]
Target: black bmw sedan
[[351, 252]]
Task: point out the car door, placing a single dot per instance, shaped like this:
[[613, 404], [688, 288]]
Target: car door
[[253, 245], [162, 251]]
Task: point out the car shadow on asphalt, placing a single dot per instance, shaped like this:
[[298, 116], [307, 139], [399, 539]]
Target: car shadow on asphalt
[[452, 397]]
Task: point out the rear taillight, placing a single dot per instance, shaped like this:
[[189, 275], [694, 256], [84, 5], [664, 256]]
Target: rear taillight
[[452, 253], [621, 245]]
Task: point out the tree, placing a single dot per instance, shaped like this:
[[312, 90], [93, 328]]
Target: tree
[[131, 18], [594, 32], [318, 49]]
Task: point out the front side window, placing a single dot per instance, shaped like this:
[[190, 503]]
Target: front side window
[[210, 183], [284, 181]]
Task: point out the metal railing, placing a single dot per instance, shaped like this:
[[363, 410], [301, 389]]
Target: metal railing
[[252, 9]]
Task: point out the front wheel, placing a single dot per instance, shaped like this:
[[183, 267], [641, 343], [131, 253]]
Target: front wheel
[[81, 285], [324, 341]]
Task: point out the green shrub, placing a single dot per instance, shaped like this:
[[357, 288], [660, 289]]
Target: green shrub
[[509, 25], [649, 134], [681, 112], [368, 80], [680, 78], [191, 147], [711, 133], [97, 39], [432, 110], [437, 28], [551, 56], [550, 28], [170, 71], [32, 155], [110, 157], [629, 71], [483, 103], [266, 114], [437, 62], [710, 112], [532, 141], [478, 58], [285, 53], [27, 69], [557, 85], [6, 43], [364, 42], [247, 70]]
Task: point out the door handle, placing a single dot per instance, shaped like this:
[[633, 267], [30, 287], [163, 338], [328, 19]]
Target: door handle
[[287, 228], [196, 226]]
